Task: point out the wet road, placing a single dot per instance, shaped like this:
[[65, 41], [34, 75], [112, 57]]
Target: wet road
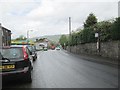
[[59, 69]]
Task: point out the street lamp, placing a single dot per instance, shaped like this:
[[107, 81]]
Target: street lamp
[[28, 35], [69, 32], [97, 35]]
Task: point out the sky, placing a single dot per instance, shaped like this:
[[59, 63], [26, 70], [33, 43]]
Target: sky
[[50, 17]]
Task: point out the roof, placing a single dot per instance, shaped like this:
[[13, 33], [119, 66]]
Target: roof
[[6, 29]]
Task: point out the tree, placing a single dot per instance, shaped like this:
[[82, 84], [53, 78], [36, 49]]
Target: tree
[[104, 28], [108, 30], [37, 40], [115, 30], [90, 21], [63, 40], [21, 37]]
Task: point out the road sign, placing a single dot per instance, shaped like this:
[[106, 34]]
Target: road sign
[[96, 34]]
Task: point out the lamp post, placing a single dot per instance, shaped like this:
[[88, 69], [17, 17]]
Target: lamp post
[[97, 35], [28, 35], [69, 32]]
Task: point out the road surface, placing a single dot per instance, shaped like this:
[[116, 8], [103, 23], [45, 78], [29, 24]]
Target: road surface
[[59, 69]]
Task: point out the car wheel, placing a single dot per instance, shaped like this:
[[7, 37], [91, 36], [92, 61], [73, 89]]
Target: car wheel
[[34, 58], [28, 77]]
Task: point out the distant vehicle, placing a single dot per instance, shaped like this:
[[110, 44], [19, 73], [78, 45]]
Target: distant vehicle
[[57, 48], [17, 63], [33, 51], [53, 47], [45, 49]]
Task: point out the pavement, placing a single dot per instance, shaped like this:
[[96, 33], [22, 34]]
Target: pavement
[[61, 69]]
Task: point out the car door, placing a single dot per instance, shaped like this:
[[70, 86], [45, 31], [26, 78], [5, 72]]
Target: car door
[[30, 56], [12, 59]]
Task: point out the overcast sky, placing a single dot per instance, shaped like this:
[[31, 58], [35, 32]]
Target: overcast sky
[[50, 17]]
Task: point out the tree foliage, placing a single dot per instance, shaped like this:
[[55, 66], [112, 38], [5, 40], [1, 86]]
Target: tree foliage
[[108, 30], [115, 30], [90, 21], [21, 37], [63, 40], [104, 28]]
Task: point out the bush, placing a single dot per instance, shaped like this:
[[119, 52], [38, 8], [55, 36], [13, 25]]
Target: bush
[[109, 30], [115, 30]]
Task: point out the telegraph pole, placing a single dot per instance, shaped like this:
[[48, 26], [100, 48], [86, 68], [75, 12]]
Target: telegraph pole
[[69, 32], [28, 36]]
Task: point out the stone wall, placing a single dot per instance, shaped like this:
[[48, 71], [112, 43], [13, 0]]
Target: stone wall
[[119, 50], [110, 49], [107, 49]]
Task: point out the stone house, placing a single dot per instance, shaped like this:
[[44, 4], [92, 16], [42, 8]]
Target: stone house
[[5, 36]]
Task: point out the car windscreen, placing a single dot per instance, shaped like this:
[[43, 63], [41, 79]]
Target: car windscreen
[[12, 53]]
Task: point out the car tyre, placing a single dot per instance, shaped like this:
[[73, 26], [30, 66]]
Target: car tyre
[[28, 77], [34, 59]]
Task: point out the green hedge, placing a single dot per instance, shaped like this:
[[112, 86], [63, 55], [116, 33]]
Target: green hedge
[[109, 30]]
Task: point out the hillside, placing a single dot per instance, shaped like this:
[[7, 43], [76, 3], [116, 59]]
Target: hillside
[[54, 38]]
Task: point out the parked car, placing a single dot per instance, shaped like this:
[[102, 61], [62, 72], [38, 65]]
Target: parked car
[[17, 63], [33, 51]]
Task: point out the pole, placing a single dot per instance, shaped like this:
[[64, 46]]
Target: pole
[[99, 42], [27, 36], [69, 32]]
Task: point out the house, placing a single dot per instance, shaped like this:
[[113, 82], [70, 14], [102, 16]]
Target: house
[[5, 36]]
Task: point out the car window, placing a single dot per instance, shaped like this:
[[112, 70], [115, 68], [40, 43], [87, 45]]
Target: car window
[[12, 53], [28, 51], [30, 48]]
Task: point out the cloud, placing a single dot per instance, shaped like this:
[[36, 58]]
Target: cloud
[[47, 17]]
